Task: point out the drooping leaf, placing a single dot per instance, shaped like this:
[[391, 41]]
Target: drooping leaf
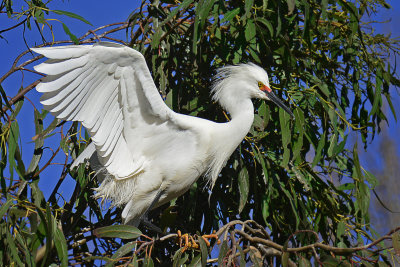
[[230, 15], [118, 231], [122, 251], [72, 15], [222, 252], [60, 243], [70, 34], [243, 181], [396, 242]]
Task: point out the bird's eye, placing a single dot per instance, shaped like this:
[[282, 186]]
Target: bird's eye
[[260, 84]]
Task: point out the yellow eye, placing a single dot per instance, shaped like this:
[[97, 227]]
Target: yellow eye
[[260, 84]]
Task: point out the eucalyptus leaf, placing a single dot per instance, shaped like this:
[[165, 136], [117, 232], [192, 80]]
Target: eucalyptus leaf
[[118, 231]]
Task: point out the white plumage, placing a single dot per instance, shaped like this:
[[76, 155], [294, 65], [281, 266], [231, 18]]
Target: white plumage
[[144, 147]]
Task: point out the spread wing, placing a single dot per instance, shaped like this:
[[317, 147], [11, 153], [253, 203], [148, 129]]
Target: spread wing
[[108, 87]]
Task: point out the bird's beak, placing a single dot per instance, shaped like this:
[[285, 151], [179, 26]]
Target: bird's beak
[[276, 100]]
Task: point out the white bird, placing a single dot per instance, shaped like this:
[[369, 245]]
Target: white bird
[[149, 154]]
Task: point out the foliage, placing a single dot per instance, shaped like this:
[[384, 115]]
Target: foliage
[[296, 187]]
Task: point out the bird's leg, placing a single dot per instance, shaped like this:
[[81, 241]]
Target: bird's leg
[[145, 220]]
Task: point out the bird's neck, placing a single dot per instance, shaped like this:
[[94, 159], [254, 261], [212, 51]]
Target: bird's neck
[[242, 117]]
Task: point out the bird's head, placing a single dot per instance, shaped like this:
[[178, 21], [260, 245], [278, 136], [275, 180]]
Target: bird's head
[[244, 81]]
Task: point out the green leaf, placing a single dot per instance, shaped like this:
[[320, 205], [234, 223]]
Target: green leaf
[[383, 264], [318, 152], [4, 96], [230, 15], [134, 262], [366, 264], [60, 243], [13, 249], [48, 223], [72, 15], [377, 96], [291, 5], [12, 147], [243, 181], [242, 262], [148, 262], [183, 260], [299, 124], [204, 251], [304, 262], [340, 230], [175, 11], [178, 260], [259, 157], [64, 145], [389, 100], [325, 90], [255, 257], [267, 24], [39, 15], [39, 142], [396, 242], [118, 231], [37, 194], [222, 252], [29, 259], [4, 207], [363, 198], [248, 5], [339, 148], [155, 40], [265, 208], [357, 165], [196, 262], [372, 180], [285, 259], [122, 251], [346, 186], [330, 261], [279, 26], [250, 32], [332, 145], [204, 11], [71, 36], [284, 120]]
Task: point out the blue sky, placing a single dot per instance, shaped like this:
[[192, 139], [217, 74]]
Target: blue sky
[[104, 12], [98, 13]]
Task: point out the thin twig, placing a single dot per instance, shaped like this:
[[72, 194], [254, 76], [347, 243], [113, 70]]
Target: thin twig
[[48, 162], [21, 94], [13, 27], [152, 241], [236, 255], [335, 250]]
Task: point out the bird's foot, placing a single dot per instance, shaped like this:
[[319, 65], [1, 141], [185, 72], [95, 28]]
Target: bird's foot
[[145, 222], [187, 241]]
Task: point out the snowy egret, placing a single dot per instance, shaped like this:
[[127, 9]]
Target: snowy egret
[[149, 154]]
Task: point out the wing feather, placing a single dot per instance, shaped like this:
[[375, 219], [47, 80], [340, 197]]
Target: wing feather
[[64, 95], [54, 67], [85, 93], [96, 113], [62, 52], [59, 81], [108, 88]]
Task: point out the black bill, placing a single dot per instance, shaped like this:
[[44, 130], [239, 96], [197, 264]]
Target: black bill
[[278, 102]]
